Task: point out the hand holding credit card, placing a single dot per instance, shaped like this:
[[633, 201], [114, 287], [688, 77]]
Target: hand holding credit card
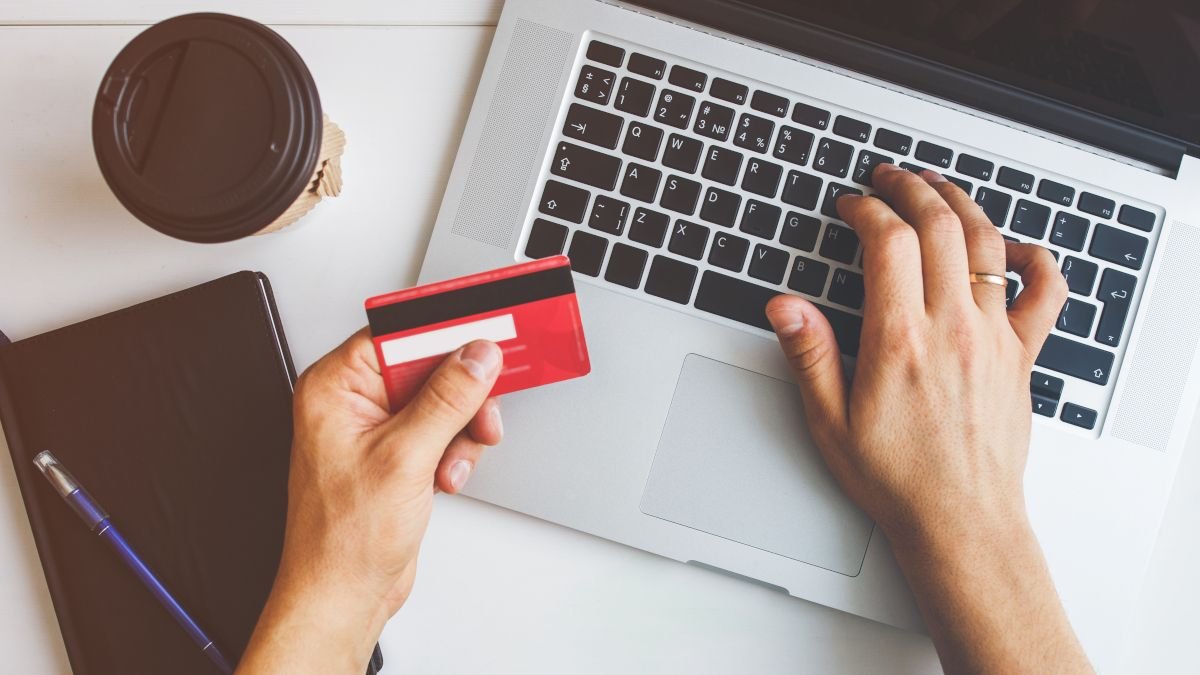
[[529, 310]]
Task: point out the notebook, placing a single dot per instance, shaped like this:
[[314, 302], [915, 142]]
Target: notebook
[[176, 415]]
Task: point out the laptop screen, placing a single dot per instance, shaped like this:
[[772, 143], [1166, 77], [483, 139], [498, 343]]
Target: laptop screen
[[1137, 61]]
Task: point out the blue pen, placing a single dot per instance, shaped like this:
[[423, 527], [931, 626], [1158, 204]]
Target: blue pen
[[97, 521]]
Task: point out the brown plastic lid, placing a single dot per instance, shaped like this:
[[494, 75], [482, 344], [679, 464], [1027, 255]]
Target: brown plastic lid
[[207, 127]]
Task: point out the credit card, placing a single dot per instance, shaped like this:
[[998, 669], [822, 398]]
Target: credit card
[[529, 310]]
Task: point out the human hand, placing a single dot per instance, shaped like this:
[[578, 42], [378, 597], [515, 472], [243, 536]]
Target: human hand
[[360, 495]]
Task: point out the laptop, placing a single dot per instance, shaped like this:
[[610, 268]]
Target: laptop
[[686, 155]]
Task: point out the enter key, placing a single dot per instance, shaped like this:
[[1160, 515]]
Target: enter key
[[1116, 292]]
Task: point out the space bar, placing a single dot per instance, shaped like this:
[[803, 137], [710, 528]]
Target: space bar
[[745, 302]]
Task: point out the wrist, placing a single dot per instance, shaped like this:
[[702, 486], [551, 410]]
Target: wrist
[[1001, 529]]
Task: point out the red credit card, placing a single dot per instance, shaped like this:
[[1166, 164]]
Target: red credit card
[[529, 310]]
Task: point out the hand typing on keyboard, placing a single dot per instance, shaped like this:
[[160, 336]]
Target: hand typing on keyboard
[[931, 435]]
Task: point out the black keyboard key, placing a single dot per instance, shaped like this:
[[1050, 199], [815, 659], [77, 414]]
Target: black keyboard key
[[545, 239], [864, 169], [728, 252], [995, 204], [770, 104], [912, 168], [641, 182], [762, 177], [1136, 218], [963, 185], [1010, 291], [1015, 180], [1077, 318], [768, 264], [810, 116], [595, 85], [1077, 415], [847, 289], [729, 91], [721, 207], [840, 243], [649, 227], [714, 121], [1046, 385], [1116, 292], [597, 127], [1070, 231], [586, 166], [761, 219], [722, 165], [975, 167], [642, 141], [734, 299], [1031, 219], [793, 145], [833, 157], [1056, 193], [808, 276], [1077, 360], [934, 154], [800, 231], [893, 141], [587, 253], [1120, 247], [671, 279], [674, 108], [605, 53], [683, 153], [1080, 275], [855, 130], [1044, 406], [688, 239], [754, 133], [802, 189], [1096, 205], [680, 194], [625, 265], [647, 66], [563, 201], [833, 192], [609, 215], [692, 80], [635, 97]]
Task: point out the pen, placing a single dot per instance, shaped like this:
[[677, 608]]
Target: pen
[[97, 521]]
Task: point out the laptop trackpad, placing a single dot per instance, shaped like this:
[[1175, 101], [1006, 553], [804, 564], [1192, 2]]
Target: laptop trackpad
[[735, 460]]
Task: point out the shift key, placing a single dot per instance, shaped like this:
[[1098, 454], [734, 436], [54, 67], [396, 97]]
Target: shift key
[[1076, 359], [586, 166]]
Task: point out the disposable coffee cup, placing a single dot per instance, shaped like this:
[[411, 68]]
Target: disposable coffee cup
[[209, 128]]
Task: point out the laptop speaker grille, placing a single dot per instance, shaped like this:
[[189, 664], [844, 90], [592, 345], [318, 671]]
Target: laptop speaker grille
[[506, 160]]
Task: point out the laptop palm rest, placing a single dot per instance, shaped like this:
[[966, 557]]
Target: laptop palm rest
[[736, 461]]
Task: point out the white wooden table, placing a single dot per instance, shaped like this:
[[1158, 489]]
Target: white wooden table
[[498, 592]]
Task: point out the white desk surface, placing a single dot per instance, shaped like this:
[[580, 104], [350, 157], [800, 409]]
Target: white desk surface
[[497, 592]]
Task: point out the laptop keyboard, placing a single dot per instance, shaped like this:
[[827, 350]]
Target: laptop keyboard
[[712, 193]]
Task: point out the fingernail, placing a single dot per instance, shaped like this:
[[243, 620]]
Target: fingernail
[[460, 471], [481, 359], [932, 176], [886, 168], [787, 322], [499, 422]]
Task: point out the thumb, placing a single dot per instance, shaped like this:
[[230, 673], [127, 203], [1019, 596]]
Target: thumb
[[812, 350]]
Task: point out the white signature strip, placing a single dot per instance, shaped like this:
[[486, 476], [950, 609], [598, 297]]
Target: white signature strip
[[446, 340]]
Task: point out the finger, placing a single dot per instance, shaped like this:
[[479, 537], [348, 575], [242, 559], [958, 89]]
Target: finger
[[985, 246], [939, 231], [1036, 309], [458, 463], [486, 426], [812, 351], [351, 367], [891, 256]]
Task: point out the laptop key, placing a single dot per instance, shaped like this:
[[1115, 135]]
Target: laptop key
[[1077, 415], [1080, 275], [692, 80], [593, 126], [625, 265], [649, 227], [754, 133], [800, 231], [729, 91], [793, 145], [674, 108], [1070, 231], [972, 166], [864, 169], [808, 276], [893, 141], [768, 264], [1010, 291], [587, 253], [1046, 385], [1077, 318], [1097, 205], [995, 204], [728, 251], [671, 279], [802, 189], [1031, 219], [688, 239], [595, 85], [1118, 246], [642, 141], [609, 215], [765, 102], [847, 289], [634, 97], [734, 299], [647, 66], [1136, 218], [586, 166], [680, 194], [840, 243], [564, 201], [1056, 193], [1116, 292], [934, 154], [641, 182], [545, 239], [855, 130], [833, 192], [762, 177], [1076, 359], [714, 121], [761, 219], [1015, 180], [605, 53], [683, 153], [833, 157], [1046, 407], [810, 116], [722, 165], [720, 207], [963, 185]]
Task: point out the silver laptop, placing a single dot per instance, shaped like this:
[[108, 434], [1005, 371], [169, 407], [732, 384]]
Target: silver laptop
[[686, 155]]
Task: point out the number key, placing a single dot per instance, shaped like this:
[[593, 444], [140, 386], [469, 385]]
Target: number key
[[674, 108], [793, 145], [864, 170], [833, 157], [714, 121], [635, 97], [754, 133]]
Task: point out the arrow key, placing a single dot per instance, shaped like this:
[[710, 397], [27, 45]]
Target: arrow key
[[1079, 416], [1116, 246], [1044, 406], [1116, 292]]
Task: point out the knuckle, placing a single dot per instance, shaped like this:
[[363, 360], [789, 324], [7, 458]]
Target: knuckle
[[445, 400], [808, 356], [938, 218]]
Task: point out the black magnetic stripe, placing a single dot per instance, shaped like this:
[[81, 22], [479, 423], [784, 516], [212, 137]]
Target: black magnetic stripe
[[471, 300]]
